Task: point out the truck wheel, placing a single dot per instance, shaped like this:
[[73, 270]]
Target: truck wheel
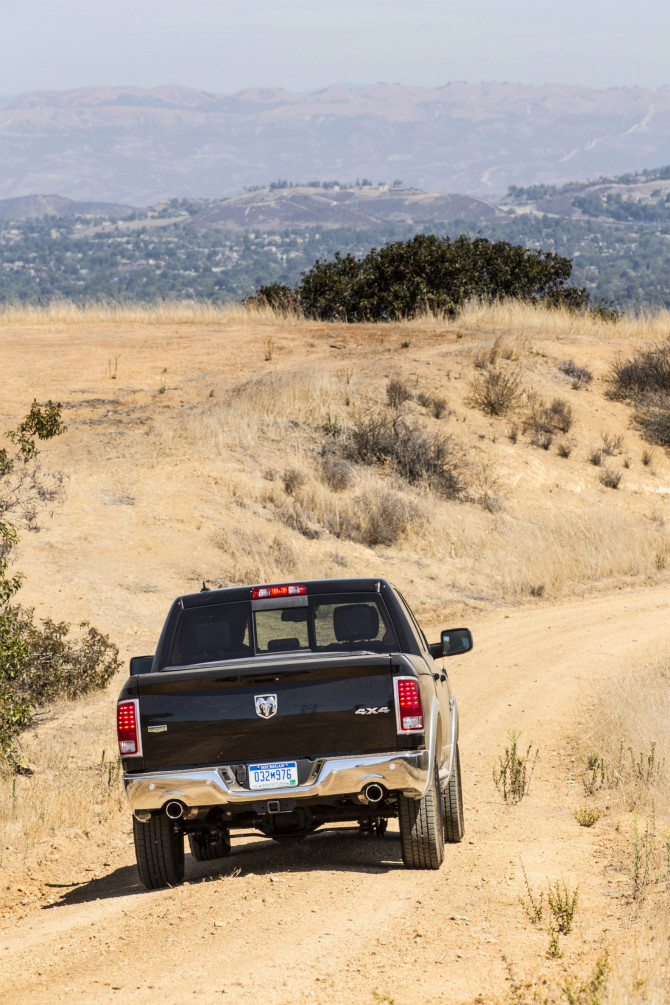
[[159, 849], [422, 828], [204, 848], [452, 804]]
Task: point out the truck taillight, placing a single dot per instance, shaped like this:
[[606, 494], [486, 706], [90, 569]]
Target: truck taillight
[[128, 727], [409, 710], [286, 590]]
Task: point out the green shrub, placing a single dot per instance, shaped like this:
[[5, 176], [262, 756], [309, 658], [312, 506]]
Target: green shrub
[[430, 273], [513, 774], [38, 662]]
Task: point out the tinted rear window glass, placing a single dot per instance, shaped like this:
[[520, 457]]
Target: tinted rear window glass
[[329, 623], [208, 634]]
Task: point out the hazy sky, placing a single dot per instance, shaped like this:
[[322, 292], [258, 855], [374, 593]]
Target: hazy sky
[[306, 44]]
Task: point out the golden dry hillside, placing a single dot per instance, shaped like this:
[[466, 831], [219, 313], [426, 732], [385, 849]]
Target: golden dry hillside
[[234, 447], [194, 452]]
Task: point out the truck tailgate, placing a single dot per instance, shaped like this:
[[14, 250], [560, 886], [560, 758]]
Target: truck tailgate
[[268, 711]]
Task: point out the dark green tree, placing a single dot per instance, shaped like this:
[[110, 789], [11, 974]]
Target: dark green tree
[[426, 272]]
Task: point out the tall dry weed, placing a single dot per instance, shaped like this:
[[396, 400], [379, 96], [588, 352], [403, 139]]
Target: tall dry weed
[[517, 318], [161, 312], [76, 782], [630, 731]]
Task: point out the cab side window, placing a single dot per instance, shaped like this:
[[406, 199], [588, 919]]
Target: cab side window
[[423, 644]]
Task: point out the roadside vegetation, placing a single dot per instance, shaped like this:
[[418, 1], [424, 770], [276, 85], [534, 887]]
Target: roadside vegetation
[[39, 662]]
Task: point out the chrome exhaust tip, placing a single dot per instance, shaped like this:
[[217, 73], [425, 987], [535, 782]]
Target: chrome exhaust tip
[[174, 809], [374, 793]]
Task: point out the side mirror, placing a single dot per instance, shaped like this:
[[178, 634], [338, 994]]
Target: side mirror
[[140, 664], [453, 642], [456, 641]]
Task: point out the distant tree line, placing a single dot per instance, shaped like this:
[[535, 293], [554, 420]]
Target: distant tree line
[[616, 207], [54, 258], [429, 273], [533, 193]]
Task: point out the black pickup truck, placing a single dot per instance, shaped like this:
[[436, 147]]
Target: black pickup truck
[[286, 707]]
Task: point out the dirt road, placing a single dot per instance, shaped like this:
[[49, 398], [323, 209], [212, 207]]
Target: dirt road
[[337, 918]]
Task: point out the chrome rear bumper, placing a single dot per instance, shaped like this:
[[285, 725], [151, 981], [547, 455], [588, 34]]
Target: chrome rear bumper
[[405, 772]]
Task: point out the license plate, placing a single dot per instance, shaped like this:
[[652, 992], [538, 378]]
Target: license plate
[[279, 775]]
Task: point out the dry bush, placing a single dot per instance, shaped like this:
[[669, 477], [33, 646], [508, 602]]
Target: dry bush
[[379, 518], [293, 479], [581, 375], [648, 372], [564, 448], [335, 471], [497, 391], [374, 513], [542, 439], [500, 348], [610, 479], [400, 443], [611, 444], [596, 458], [652, 417], [554, 418], [397, 393], [436, 405]]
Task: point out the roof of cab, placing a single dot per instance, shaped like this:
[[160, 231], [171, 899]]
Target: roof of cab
[[240, 593]]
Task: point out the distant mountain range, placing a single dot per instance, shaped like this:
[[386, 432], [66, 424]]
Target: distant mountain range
[[131, 145]]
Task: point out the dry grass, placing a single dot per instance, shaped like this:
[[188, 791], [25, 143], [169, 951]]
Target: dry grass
[[76, 782], [281, 420], [632, 720], [514, 318], [517, 318], [163, 312], [641, 977]]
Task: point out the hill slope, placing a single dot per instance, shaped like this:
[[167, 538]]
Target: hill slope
[[358, 208]]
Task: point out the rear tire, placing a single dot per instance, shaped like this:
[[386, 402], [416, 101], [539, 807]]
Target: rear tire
[[204, 848], [452, 804], [422, 827], [159, 849]]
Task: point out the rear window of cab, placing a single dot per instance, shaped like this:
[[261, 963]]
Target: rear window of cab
[[316, 623]]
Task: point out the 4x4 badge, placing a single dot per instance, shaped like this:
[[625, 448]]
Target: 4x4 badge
[[266, 705]]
